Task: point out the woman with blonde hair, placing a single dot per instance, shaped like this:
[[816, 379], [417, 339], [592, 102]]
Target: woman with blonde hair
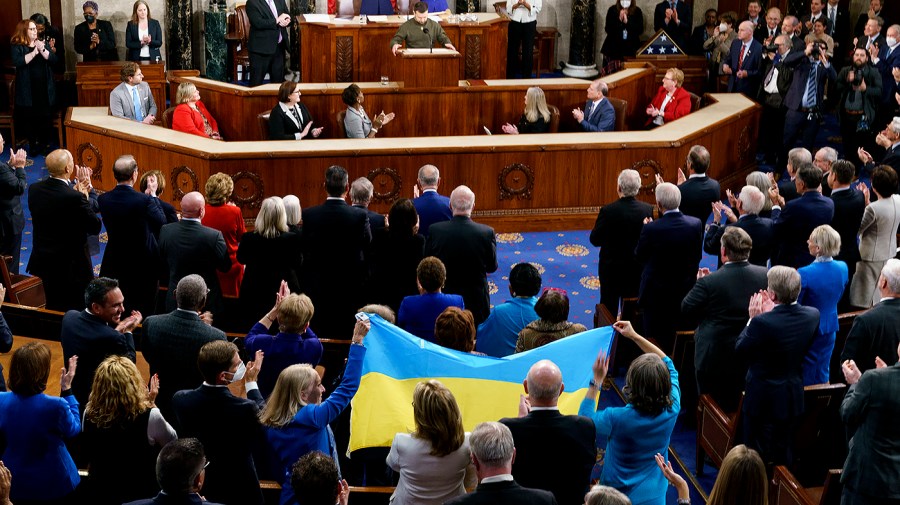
[[741, 480], [191, 116], [536, 118], [123, 433], [434, 461], [223, 215]]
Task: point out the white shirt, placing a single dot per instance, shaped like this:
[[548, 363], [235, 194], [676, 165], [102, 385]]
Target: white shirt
[[506, 477], [143, 32], [522, 14]]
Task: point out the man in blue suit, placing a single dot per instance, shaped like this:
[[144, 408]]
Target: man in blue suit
[[761, 229], [799, 218], [773, 344], [744, 61], [670, 250], [804, 99], [431, 206], [598, 114]]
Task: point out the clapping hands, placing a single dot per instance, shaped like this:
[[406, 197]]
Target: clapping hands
[[760, 303]]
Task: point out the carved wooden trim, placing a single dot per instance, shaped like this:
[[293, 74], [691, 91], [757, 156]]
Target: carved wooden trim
[[93, 160], [182, 177], [743, 144], [648, 170], [516, 181], [556, 211], [473, 56], [343, 58], [387, 183], [249, 190]]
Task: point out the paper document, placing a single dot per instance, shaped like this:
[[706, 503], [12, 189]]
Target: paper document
[[317, 18], [377, 19]]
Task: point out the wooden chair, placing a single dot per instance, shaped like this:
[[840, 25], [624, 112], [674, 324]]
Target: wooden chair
[[695, 102], [845, 322], [716, 431], [7, 120], [620, 106], [167, 117], [263, 120], [22, 289], [339, 117], [236, 39], [554, 118], [784, 489], [815, 448]]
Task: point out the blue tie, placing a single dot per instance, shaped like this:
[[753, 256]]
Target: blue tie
[[138, 110], [809, 98]]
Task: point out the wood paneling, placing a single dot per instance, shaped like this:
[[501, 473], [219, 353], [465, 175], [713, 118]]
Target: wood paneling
[[95, 81]]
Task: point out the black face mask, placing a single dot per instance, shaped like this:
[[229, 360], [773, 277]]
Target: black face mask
[[89, 18]]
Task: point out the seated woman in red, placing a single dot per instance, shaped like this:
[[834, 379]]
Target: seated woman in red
[[191, 116], [671, 101]]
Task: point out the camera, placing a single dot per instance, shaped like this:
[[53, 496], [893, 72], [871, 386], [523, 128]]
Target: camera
[[815, 51], [771, 48]]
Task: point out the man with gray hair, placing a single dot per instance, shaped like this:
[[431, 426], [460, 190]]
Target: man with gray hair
[[598, 115], [796, 158], [468, 250], [876, 332], [748, 204], [773, 344], [616, 233], [670, 249], [431, 206], [172, 341], [493, 453], [824, 158], [361, 192], [541, 433], [889, 139]]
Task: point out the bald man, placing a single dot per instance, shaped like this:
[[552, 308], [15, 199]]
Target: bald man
[[62, 219], [744, 61], [541, 434], [187, 247]]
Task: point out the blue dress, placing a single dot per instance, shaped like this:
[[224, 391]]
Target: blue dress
[[634, 439], [822, 283], [418, 313], [282, 351]]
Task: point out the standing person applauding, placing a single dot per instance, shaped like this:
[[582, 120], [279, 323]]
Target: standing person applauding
[[522, 29], [35, 92], [95, 39], [143, 36]]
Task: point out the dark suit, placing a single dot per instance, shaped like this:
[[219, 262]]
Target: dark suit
[[761, 32], [171, 345], [840, 29], [794, 224], [718, 305], [6, 342], [266, 51], [697, 195], [283, 126], [788, 190], [849, 206], [751, 63], [870, 411], [891, 158], [133, 41], [215, 416], [105, 50], [376, 220], [888, 60], [862, 40], [799, 119], [165, 499], [670, 250], [876, 332], [679, 32], [92, 340], [774, 345], [335, 237], [504, 493], [760, 229], [187, 247], [469, 251], [540, 437], [12, 219], [616, 233], [432, 207], [62, 219], [599, 118], [132, 221]]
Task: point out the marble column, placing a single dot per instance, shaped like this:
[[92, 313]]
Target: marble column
[[581, 42], [297, 8], [179, 35], [215, 23]]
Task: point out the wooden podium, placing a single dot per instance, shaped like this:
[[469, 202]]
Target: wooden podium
[[428, 68]]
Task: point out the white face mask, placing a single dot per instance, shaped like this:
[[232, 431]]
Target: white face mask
[[891, 41], [723, 27], [239, 373], [625, 4]]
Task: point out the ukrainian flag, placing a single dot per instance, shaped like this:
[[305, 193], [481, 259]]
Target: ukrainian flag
[[485, 388]]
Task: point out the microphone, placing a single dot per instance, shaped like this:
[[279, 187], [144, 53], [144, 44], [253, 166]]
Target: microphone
[[430, 42]]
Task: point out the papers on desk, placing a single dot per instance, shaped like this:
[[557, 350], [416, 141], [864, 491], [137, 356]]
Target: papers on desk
[[317, 18], [436, 19], [377, 19]]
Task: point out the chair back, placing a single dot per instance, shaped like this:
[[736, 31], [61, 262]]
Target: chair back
[[22, 289], [786, 490], [167, 117], [716, 430], [695, 102], [340, 121], [554, 118], [820, 424], [263, 120], [242, 25], [621, 107]]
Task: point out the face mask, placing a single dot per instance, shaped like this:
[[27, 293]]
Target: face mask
[[625, 4], [89, 18], [891, 41], [239, 374], [723, 27]]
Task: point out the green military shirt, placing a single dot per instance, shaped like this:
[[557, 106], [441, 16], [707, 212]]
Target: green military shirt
[[416, 38]]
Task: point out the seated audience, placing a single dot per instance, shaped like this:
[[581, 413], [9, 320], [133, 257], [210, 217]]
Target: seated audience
[[641, 428], [223, 215], [877, 235], [821, 284], [671, 101], [418, 313], [290, 119], [876, 332], [95, 39], [296, 418], [143, 35], [455, 329], [741, 481], [552, 309], [294, 343], [123, 433], [498, 334], [749, 205], [357, 124], [191, 116], [35, 427], [395, 255], [433, 461], [213, 415], [536, 118], [180, 472], [132, 99], [315, 477], [598, 115], [153, 183]]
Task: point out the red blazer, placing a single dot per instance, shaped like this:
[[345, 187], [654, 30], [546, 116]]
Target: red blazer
[[186, 119], [680, 105]]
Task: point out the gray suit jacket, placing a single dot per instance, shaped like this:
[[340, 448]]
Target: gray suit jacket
[[121, 104]]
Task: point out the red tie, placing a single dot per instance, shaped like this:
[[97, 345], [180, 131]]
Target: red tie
[[741, 57]]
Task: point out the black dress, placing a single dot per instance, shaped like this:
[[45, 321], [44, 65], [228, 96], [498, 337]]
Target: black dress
[[617, 46], [35, 92], [394, 261], [539, 126], [267, 262]]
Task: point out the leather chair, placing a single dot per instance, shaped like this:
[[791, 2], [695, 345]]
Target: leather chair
[[554, 119], [620, 106], [263, 120], [236, 39], [167, 117], [22, 289], [339, 117], [695, 102]]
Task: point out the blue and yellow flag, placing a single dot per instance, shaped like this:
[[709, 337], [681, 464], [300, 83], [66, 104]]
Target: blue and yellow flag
[[485, 388]]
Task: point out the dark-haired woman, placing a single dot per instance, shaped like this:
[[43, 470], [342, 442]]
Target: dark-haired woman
[[553, 310], [357, 123], [643, 427], [396, 253], [35, 92], [290, 119], [624, 26]]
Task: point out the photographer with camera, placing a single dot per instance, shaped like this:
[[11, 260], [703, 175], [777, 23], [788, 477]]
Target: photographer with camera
[[803, 100], [859, 85], [775, 84]]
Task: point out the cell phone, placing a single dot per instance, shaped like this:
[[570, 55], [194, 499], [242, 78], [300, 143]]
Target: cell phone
[[362, 316]]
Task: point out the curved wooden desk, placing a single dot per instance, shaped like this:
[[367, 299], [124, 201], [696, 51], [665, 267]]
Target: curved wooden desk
[[522, 182]]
